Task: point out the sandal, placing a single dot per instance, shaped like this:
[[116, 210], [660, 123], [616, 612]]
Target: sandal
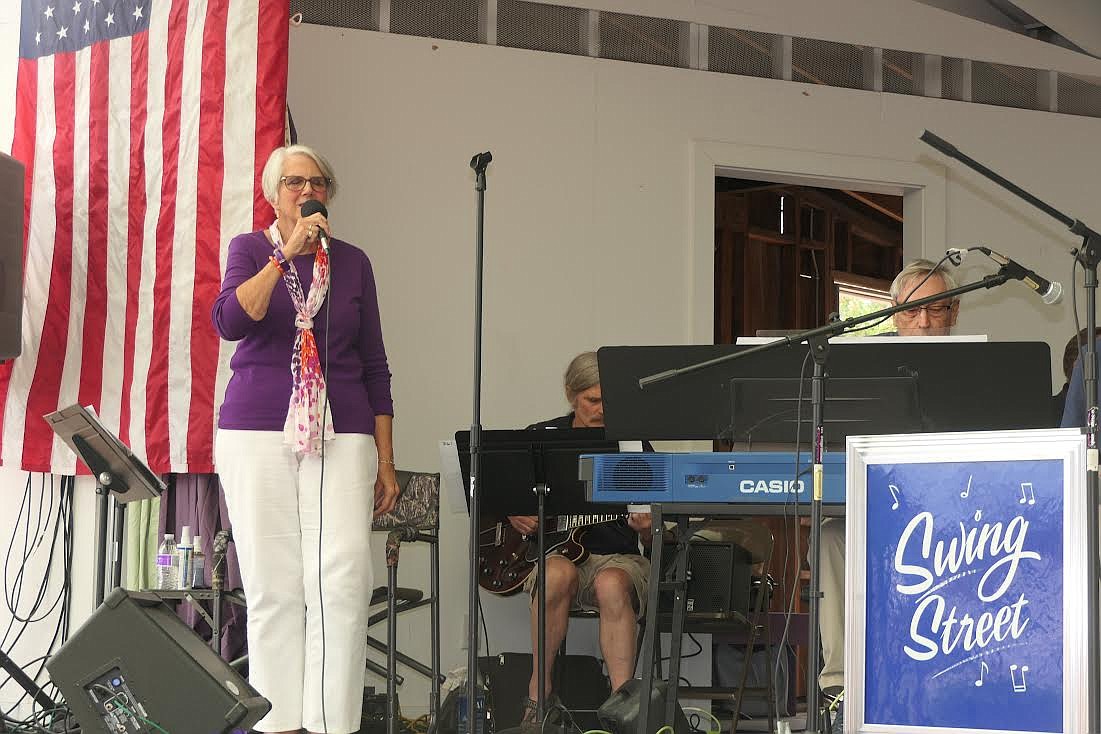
[[529, 708]]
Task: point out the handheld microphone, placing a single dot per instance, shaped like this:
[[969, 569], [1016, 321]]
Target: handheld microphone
[[1051, 292], [313, 206]]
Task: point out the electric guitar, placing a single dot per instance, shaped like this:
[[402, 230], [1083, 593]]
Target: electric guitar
[[507, 557]]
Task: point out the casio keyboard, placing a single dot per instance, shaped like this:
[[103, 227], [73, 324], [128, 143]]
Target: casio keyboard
[[759, 482]]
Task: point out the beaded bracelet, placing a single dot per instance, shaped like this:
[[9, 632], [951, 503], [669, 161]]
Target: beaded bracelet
[[386, 461], [280, 258], [278, 265]]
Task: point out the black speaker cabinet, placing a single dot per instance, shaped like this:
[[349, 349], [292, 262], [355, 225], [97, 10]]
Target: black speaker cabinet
[[578, 680], [619, 714], [134, 662], [719, 575], [12, 175]]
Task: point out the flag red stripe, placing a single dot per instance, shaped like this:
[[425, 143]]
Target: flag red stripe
[[46, 385], [135, 225], [90, 391], [271, 95], [204, 340], [26, 124], [156, 416]]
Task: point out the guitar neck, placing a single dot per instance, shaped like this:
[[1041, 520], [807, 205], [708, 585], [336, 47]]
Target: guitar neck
[[565, 523]]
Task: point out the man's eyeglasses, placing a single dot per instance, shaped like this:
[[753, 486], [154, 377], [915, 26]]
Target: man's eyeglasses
[[935, 310], [297, 183]]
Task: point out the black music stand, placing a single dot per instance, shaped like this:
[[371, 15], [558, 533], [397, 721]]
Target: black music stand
[[765, 410], [546, 461], [119, 475], [961, 385]]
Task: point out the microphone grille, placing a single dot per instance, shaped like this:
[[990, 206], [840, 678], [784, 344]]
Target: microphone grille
[[313, 206]]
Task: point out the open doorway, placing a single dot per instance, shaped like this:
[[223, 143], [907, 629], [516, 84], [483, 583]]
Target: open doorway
[[787, 256]]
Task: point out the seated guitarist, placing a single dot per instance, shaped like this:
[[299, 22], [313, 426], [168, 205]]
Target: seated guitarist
[[613, 580]]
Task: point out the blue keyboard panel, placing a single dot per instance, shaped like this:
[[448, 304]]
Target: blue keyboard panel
[[759, 478]]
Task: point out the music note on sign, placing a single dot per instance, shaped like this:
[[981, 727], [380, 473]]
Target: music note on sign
[[1026, 489], [894, 494], [983, 670], [1021, 687], [967, 491]]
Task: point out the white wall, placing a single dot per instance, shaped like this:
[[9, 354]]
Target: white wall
[[9, 41], [597, 227]]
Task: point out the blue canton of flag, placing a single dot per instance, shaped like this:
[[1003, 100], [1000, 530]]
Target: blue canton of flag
[[53, 26]]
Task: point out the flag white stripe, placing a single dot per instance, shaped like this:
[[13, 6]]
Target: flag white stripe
[[37, 268], [62, 459], [118, 204], [184, 245]]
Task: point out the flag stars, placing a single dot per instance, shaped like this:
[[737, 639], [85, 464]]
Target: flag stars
[[38, 39], [63, 33], [49, 11], [137, 13], [76, 7], [110, 20], [87, 25]]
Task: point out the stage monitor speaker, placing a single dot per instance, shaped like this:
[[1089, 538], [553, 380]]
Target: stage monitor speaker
[[619, 714], [134, 665], [12, 175]]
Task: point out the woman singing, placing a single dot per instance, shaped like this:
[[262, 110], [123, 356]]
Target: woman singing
[[304, 447]]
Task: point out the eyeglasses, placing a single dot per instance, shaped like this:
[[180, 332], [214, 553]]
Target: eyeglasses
[[935, 310], [297, 183]]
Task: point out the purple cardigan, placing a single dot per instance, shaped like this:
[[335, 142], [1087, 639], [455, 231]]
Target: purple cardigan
[[259, 392]]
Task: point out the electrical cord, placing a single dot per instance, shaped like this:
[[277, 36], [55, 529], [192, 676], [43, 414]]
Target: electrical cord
[[61, 517], [321, 503], [696, 712]]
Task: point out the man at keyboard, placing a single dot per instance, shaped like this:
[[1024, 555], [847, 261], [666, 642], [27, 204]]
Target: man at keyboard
[[612, 580], [919, 279]]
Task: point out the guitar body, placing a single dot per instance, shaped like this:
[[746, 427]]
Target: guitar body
[[502, 558], [506, 558]]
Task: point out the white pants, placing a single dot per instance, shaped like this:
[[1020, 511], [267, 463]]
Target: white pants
[[272, 497], [831, 608]]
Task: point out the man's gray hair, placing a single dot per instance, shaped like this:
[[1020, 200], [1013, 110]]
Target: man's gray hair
[[273, 169], [914, 273], [582, 374]]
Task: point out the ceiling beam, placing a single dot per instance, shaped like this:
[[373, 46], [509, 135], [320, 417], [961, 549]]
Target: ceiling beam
[[1079, 21]]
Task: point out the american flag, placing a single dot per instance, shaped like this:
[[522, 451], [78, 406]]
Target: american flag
[[143, 125]]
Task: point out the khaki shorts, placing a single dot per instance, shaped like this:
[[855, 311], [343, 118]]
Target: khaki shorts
[[637, 568]]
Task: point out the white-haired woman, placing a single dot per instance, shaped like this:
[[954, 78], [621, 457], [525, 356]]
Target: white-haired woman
[[304, 447]]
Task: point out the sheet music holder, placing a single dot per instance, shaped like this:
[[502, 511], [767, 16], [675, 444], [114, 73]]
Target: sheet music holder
[[102, 451], [515, 462], [118, 473], [963, 386], [764, 410], [533, 472]]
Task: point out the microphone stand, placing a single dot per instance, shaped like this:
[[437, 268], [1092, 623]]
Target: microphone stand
[[479, 163], [818, 339], [1088, 255]]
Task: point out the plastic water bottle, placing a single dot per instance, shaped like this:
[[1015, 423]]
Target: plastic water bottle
[[184, 552], [166, 563], [198, 564]]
